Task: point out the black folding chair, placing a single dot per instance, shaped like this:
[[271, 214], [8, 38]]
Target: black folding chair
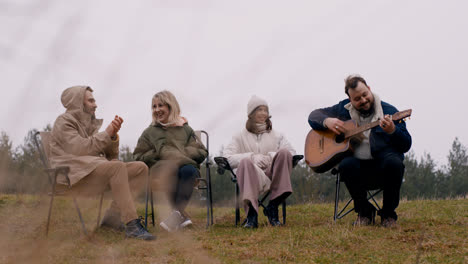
[[223, 165], [203, 183], [42, 140], [342, 213]]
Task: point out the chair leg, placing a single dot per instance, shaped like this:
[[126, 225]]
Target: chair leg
[[207, 208], [50, 212], [80, 216], [50, 204], [146, 209], [99, 213], [284, 212], [209, 193], [152, 207], [337, 196], [147, 196], [371, 196], [340, 214], [237, 205]]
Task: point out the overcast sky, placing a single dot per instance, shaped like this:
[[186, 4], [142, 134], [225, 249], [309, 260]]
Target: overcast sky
[[214, 55]]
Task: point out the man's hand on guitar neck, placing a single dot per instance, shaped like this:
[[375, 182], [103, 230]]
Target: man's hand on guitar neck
[[387, 124], [335, 125]]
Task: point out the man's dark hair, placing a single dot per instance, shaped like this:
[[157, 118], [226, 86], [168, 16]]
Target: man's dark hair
[[351, 82]]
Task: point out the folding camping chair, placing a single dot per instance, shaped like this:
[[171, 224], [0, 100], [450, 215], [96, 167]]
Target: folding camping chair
[[42, 140], [223, 165], [371, 193], [202, 183]]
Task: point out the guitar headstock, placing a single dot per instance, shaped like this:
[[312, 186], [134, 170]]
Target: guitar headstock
[[402, 115]]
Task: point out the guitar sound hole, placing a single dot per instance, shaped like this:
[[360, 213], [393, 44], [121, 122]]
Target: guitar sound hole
[[340, 138]]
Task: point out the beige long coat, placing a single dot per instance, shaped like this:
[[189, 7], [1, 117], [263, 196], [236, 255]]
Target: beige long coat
[[75, 140]]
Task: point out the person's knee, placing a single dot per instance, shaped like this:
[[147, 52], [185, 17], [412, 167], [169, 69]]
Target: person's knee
[[116, 165], [349, 169], [246, 162], [349, 164], [393, 163], [141, 167], [284, 153], [394, 169]]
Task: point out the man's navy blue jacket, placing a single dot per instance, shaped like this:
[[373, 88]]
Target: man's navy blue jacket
[[382, 144]]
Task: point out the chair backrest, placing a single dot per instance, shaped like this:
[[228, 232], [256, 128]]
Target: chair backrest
[[205, 143], [42, 139]]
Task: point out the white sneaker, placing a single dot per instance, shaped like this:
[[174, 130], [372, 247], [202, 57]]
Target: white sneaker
[[173, 222], [186, 222]]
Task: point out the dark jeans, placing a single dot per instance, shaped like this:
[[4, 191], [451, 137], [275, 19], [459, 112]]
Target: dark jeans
[[362, 175], [186, 177]]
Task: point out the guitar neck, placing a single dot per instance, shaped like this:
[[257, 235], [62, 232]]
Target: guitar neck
[[361, 129]]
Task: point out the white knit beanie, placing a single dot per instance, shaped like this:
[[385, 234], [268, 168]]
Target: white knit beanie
[[255, 102]]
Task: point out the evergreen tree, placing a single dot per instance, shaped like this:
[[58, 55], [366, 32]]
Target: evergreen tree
[[457, 169]]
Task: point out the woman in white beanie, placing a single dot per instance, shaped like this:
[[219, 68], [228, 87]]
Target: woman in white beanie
[[263, 159]]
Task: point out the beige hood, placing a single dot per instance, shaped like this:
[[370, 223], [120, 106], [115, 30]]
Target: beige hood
[[72, 99]]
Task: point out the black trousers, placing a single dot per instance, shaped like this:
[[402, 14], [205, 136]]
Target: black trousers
[[362, 175], [186, 177]]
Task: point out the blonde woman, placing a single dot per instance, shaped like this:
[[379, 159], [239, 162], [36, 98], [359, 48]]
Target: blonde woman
[[170, 149], [263, 159]]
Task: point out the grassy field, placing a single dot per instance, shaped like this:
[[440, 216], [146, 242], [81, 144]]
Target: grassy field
[[428, 232]]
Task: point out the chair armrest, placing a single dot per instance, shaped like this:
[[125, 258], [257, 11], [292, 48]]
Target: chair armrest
[[223, 165], [59, 170], [296, 159]]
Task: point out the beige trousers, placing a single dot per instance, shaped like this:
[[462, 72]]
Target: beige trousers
[[279, 173], [120, 177]]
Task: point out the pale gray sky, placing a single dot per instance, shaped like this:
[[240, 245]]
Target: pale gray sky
[[213, 55]]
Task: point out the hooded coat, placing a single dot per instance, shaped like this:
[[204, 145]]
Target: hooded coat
[[75, 141], [166, 149]]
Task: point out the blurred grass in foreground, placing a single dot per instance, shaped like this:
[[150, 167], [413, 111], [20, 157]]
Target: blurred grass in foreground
[[429, 231]]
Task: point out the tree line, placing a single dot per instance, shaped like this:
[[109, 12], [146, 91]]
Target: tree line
[[21, 172]]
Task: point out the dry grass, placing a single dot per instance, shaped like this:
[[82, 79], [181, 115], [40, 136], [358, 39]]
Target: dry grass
[[428, 232]]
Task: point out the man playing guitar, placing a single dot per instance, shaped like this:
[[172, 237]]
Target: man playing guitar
[[377, 159]]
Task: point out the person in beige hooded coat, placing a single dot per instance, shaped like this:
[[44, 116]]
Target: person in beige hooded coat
[[92, 158], [262, 158]]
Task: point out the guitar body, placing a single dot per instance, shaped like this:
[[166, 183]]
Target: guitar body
[[325, 149]]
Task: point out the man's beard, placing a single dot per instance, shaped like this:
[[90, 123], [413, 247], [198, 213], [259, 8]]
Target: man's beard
[[367, 113], [90, 111]]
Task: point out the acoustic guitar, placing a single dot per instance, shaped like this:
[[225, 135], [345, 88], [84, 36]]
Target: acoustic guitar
[[324, 149]]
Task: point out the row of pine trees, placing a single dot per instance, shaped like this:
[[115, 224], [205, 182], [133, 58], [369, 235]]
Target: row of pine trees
[[21, 172]]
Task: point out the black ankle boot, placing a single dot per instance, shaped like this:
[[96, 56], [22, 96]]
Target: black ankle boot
[[252, 218], [134, 229], [271, 211]]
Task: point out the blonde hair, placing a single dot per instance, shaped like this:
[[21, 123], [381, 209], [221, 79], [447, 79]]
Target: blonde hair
[[168, 99]]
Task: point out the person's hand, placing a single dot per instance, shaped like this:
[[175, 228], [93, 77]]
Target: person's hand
[[114, 126], [261, 160], [386, 123], [256, 159], [335, 125]]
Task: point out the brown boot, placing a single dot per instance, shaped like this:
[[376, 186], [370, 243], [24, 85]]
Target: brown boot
[[364, 220], [388, 222]]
